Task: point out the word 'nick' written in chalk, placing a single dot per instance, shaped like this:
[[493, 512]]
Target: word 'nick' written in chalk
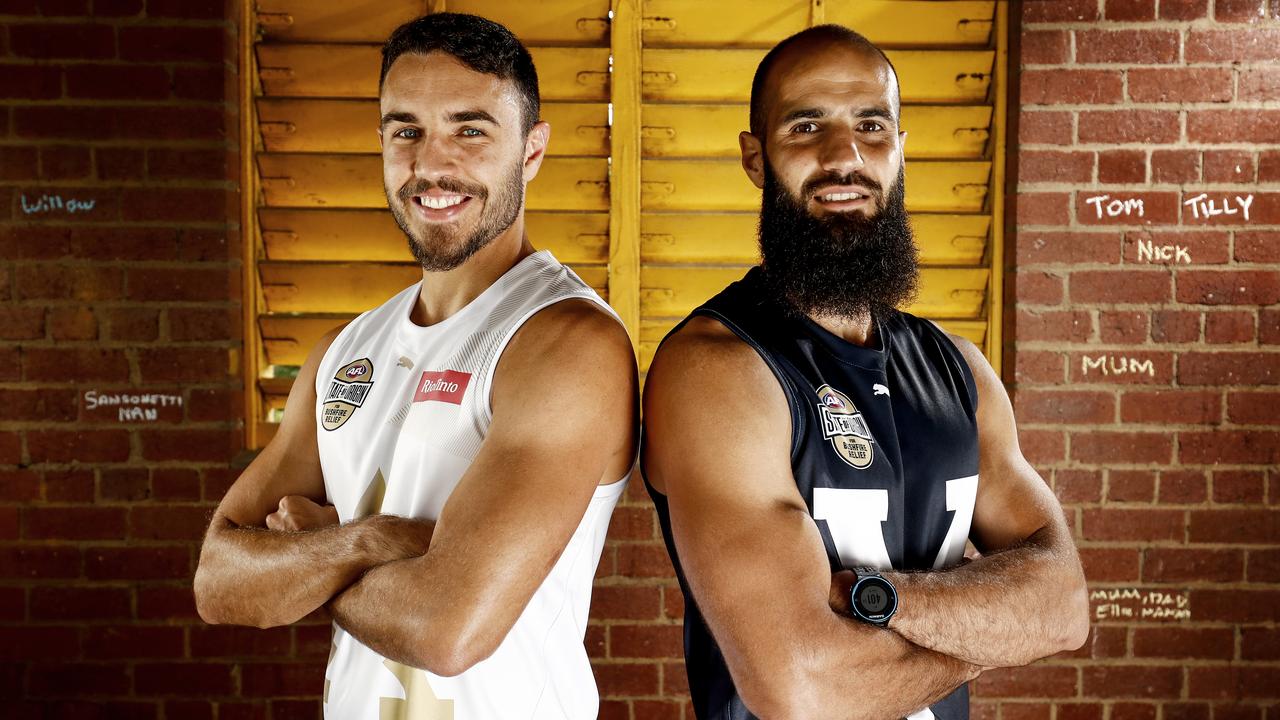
[[142, 407], [1203, 206], [1129, 603], [1150, 252], [55, 203]]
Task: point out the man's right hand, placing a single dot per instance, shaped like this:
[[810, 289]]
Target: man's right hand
[[297, 514]]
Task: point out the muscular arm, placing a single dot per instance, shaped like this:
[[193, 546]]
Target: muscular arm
[[1025, 598], [564, 416], [251, 575], [717, 444]]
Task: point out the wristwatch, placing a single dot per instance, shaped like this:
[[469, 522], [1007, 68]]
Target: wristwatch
[[873, 598]]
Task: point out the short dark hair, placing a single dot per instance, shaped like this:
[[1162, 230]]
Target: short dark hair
[[829, 33], [481, 44]]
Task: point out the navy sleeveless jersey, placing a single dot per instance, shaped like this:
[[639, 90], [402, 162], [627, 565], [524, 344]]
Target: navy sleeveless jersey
[[884, 451]]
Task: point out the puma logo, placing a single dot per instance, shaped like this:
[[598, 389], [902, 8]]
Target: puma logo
[[404, 362], [878, 389]]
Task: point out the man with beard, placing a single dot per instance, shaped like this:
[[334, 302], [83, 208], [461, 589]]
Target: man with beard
[[472, 434], [815, 455]]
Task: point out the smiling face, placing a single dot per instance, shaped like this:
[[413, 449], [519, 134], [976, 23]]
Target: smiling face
[[455, 158]]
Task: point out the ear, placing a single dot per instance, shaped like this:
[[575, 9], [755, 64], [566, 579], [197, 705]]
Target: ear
[[381, 146], [752, 157], [902, 141], [535, 148]]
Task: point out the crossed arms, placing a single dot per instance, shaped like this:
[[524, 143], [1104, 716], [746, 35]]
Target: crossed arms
[[756, 564], [418, 592]]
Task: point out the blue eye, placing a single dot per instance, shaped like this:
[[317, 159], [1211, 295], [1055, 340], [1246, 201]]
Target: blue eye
[[407, 133], [472, 132]]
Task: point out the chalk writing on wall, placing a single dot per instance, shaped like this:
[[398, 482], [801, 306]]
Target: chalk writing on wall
[[1114, 365], [1148, 251], [55, 204], [131, 407], [1138, 604], [1204, 207], [1116, 207]]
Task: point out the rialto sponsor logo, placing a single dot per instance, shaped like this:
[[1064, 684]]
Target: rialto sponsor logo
[[844, 426], [442, 386], [347, 392]]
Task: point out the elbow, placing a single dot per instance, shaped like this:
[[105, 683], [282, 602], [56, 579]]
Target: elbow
[[453, 652], [796, 693], [1075, 630]]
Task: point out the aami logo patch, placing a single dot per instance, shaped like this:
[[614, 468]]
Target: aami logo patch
[[442, 386], [844, 426], [347, 391]]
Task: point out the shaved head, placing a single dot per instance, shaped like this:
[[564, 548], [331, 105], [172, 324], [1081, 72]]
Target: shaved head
[[812, 40]]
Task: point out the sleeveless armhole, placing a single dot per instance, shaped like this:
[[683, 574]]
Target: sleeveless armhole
[[943, 338]]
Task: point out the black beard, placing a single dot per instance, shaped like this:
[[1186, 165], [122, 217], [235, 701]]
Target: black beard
[[843, 265], [439, 250]]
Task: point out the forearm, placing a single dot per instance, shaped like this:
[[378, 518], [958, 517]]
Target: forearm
[[1006, 609], [265, 578]]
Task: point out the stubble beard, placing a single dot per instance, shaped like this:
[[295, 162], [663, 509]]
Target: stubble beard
[[844, 265], [440, 247]]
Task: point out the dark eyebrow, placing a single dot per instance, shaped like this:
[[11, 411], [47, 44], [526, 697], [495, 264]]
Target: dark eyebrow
[[803, 114], [875, 112], [403, 117], [473, 116]]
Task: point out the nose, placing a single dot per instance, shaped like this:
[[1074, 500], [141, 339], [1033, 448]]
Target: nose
[[840, 153], [435, 157]]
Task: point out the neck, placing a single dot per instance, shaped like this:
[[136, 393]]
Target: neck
[[446, 292], [858, 330]]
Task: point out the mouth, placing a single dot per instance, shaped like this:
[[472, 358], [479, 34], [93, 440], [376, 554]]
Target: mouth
[[839, 199], [440, 207]]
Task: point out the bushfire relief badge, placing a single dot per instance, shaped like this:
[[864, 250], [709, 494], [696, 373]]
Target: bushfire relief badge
[[347, 392], [844, 426]]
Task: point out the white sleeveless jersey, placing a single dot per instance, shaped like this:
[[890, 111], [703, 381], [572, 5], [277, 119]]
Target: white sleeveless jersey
[[401, 413]]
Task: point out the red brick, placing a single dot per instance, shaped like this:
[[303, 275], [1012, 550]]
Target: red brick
[[1229, 368], [1114, 127], [1077, 486], [1269, 327], [179, 364], [173, 204], [72, 41], [1233, 682], [1039, 166], [201, 83], [138, 563], [19, 163], [1122, 166], [133, 324], [1105, 446], [1067, 248], [1233, 46], [1047, 208], [627, 679], [169, 522], [132, 642], [1195, 643], [19, 485], [1259, 84], [1241, 287], [77, 679], [39, 643], [1239, 10], [60, 446], [1123, 326], [1232, 447], [1171, 406], [1175, 166], [1130, 10], [1228, 166], [118, 82], [79, 603], [1109, 564], [180, 284], [1253, 527], [10, 448], [1236, 605], [65, 163], [1038, 288], [69, 486], [188, 9], [204, 324], [646, 641], [165, 679], [175, 484], [1183, 9], [1175, 326], [180, 43], [1131, 486], [1045, 47], [117, 8], [1060, 11], [1239, 487], [30, 82], [224, 641], [166, 603], [1069, 407], [215, 404], [1179, 565], [1044, 681], [1180, 85], [1234, 126], [1258, 246], [119, 163], [74, 523], [45, 562], [1147, 47], [1140, 681], [1125, 208], [1074, 326], [45, 281], [636, 560], [1229, 327], [21, 323], [1204, 247], [1044, 127], [1183, 487], [1259, 643], [1071, 87], [1031, 366], [1120, 286], [73, 324], [1254, 408]]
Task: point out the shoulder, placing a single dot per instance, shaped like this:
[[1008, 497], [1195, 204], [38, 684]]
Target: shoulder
[[704, 350]]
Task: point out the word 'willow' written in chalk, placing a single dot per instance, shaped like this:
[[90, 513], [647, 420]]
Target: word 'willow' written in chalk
[[1112, 365], [1117, 206], [1132, 603], [142, 407], [55, 203], [1203, 206]]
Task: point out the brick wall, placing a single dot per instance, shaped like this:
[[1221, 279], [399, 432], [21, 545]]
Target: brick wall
[[1167, 468], [1147, 347]]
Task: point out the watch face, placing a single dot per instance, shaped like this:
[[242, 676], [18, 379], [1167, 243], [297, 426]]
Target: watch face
[[874, 599]]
